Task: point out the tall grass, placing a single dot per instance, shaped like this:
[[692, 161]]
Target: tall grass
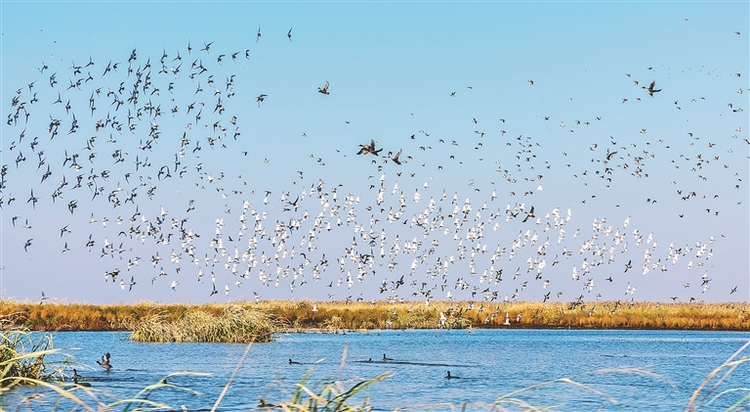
[[457, 315], [338, 316], [235, 324], [22, 356]]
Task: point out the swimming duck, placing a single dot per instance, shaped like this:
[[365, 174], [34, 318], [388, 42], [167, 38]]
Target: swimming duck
[[77, 378], [291, 362], [449, 376], [84, 384]]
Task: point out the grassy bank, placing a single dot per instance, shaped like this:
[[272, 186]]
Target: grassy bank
[[332, 316]]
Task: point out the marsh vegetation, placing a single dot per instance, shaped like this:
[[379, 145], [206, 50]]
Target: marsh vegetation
[[167, 319]]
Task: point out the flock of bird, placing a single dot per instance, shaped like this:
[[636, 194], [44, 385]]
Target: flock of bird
[[121, 153]]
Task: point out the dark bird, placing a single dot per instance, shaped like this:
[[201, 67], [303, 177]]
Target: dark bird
[[395, 158], [529, 215], [449, 376], [104, 362], [369, 148], [650, 89], [289, 34], [323, 89], [77, 378], [206, 46]]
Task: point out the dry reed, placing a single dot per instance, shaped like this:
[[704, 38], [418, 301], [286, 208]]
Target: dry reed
[[22, 356], [336, 316], [236, 324]]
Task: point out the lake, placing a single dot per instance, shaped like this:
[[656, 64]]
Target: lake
[[490, 363]]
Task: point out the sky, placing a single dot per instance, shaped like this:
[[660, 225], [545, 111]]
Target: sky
[[186, 151]]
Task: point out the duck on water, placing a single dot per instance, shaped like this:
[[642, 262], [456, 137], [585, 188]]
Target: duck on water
[[77, 378], [104, 362]]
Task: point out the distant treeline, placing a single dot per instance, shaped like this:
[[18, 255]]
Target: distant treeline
[[304, 315]]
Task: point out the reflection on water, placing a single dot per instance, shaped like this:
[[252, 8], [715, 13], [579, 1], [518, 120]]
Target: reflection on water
[[490, 363]]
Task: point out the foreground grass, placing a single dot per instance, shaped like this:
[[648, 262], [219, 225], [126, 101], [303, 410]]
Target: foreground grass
[[22, 357], [334, 316]]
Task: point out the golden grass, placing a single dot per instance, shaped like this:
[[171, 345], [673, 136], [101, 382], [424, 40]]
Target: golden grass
[[338, 316], [236, 324], [22, 357]]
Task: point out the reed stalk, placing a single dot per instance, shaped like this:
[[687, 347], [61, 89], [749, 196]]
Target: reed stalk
[[22, 356]]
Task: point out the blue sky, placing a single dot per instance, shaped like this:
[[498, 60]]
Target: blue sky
[[510, 106]]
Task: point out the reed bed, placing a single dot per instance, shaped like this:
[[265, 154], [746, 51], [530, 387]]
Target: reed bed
[[303, 315], [236, 324]]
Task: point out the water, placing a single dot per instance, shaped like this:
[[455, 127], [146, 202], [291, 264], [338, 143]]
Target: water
[[490, 363]]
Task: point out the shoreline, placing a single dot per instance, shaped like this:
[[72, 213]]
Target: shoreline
[[302, 316]]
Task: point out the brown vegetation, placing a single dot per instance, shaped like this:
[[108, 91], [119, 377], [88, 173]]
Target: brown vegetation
[[236, 324], [333, 316]]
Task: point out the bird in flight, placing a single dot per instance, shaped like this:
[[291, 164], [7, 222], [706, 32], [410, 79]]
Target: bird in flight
[[323, 89], [289, 34], [396, 158], [650, 89], [258, 37], [261, 98], [369, 148]]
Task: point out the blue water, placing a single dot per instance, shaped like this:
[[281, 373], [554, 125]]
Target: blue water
[[490, 363]]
